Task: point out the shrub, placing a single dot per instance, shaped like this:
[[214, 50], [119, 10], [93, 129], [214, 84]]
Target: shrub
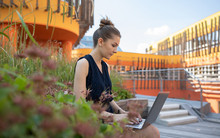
[[117, 89]]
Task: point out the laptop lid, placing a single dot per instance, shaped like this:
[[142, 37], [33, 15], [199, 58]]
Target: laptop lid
[[156, 108]]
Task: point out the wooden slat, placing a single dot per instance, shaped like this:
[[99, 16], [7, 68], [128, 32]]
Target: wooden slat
[[218, 33], [58, 7], [188, 39], [210, 46], [141, 71], [196, 35], [200, 41], [173, 45], [148, 73], [137, 74], [192, 42], [48, 5], [145, 74], [184, 45], [37, 5], [215, 36], [207, 37], [204, 42], [24, 4]]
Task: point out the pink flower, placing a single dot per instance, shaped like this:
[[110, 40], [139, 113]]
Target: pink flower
[[49, 64], [97, 108], [35, 52], [21, 55], [44, 110], [67, 111], [38, 78], [85, 129]]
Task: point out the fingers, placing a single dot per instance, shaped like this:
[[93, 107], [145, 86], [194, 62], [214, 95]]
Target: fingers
[[134, 120], [139, 117]]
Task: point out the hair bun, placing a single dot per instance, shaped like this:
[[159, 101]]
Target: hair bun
[[105, 22]]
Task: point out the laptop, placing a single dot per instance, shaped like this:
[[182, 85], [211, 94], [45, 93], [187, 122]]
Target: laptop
[[154, 111]]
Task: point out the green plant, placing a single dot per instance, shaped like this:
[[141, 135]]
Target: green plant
[[117, 90], [34, 113]]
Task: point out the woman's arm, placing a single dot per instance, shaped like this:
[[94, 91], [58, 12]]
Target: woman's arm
[[81, 72], [116, 108]]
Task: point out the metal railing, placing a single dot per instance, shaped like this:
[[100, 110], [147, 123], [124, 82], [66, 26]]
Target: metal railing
[[160, 76]]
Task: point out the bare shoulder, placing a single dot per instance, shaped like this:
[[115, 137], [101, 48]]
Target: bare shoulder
[[82, 66], [82, 62]]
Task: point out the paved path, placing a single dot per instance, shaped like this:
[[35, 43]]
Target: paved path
[[202, 129]]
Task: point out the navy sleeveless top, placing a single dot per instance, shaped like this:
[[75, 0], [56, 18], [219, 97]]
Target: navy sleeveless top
[[97, 81]]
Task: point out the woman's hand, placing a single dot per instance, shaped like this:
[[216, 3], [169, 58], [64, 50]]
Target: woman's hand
[[132, 119]]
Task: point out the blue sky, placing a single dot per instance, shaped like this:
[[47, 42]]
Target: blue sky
[[142, 22]]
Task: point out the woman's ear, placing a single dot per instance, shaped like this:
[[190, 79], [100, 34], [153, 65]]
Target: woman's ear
[[100, 42]]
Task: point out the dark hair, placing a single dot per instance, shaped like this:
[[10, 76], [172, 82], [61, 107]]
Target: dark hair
[[105, 31]]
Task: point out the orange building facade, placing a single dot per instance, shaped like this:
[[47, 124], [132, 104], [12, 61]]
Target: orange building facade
[[185, 63], [53, 23]]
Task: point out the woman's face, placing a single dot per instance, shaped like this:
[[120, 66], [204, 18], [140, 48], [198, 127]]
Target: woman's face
[[109, 47]]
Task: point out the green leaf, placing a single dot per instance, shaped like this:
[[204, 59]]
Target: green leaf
[[5, 35], [26, 28], [21, 82], [69, 98], [103, 128], [61, 84]]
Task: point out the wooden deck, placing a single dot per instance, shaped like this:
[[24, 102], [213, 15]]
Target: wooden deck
[[203, 129]]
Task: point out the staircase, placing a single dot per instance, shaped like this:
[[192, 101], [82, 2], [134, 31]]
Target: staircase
[[207, 86], [172, 114]]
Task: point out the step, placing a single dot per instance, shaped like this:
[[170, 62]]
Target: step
[[177, 120], [173, 113], [165, 107]]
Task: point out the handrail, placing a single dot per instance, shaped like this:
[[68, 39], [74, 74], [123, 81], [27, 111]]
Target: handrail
[[201, 90], [173, 69]]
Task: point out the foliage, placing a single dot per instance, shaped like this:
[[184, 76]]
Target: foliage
[[117, 90], [38, 114], [36, 96]]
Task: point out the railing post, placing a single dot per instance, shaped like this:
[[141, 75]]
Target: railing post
[[133, 79], [201, 99], [161, 81]]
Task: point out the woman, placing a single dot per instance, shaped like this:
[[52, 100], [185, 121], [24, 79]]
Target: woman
[[92, 73]]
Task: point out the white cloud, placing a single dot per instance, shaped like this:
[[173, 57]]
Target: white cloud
[[158, 31]]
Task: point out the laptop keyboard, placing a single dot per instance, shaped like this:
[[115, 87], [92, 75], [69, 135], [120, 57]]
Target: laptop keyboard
[[138, 126]]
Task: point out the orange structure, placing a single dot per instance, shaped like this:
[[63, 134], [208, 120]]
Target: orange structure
[[55, 23], [199, 48]]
